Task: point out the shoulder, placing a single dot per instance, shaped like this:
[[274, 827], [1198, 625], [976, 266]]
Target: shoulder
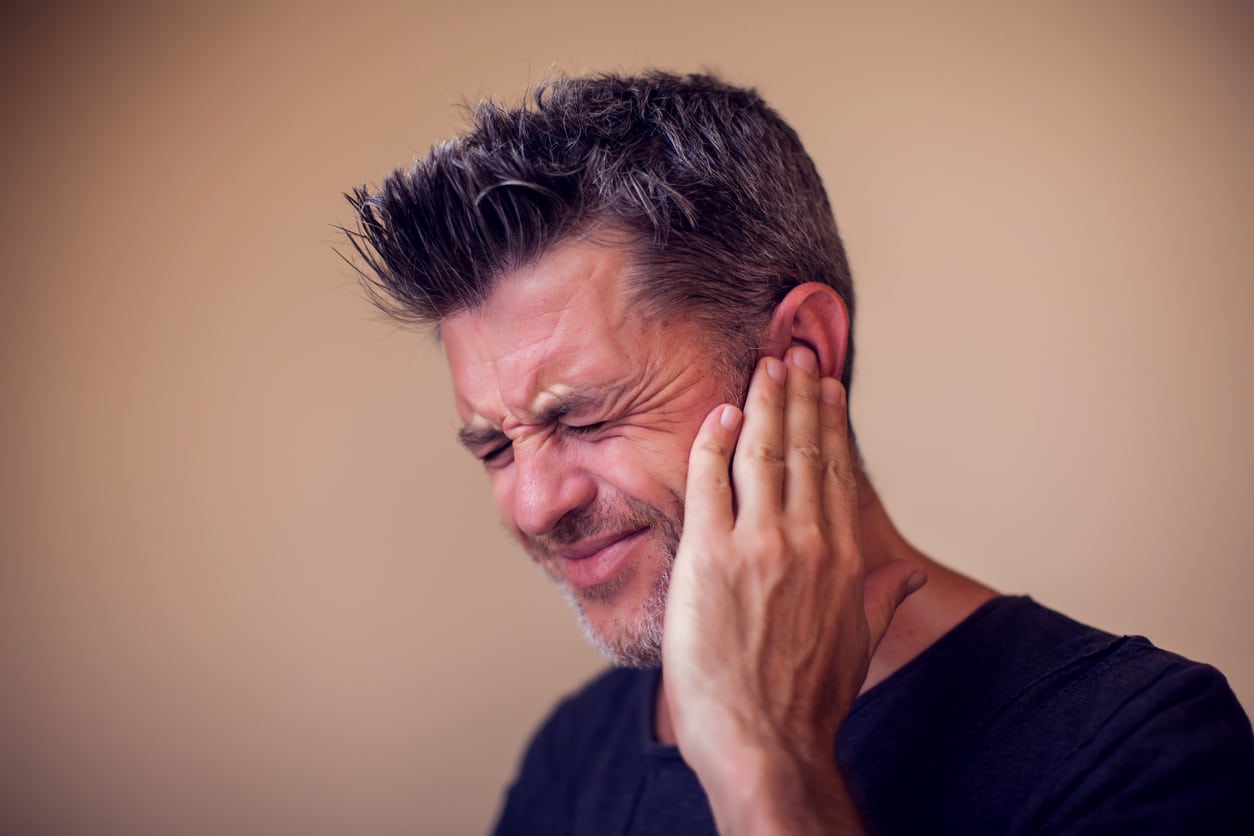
[[1048, 659], [1093, 693], [1015, 649], [1024, 720], [1157, 743], [1130, 737]]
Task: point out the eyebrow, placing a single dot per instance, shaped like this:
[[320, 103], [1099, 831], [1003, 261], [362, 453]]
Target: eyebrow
[[471, 436]]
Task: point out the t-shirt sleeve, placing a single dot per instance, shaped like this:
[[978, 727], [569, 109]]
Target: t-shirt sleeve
[[1175, 757]]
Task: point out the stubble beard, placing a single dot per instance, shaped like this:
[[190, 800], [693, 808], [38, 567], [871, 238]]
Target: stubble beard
[[632, 639]]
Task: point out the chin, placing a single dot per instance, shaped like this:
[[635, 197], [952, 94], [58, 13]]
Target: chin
[[626, 632], [622, 613]]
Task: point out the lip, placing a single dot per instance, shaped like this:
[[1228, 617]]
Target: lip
[[596, 561]]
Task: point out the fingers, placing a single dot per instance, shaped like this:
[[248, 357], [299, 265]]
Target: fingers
[[803, 485], [793, 453], [886, 586], [708, 498], [840, 486], [758, 466]]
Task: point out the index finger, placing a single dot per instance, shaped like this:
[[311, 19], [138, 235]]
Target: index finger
[[708, 495], [758, 464]]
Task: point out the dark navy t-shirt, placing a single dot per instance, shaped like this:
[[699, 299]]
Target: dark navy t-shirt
[[1019, 720]]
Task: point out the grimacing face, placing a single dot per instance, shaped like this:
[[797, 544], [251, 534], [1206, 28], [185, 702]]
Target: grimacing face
[[583, 414]]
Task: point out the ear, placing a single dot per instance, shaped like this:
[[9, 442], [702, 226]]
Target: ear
[[813, 315]]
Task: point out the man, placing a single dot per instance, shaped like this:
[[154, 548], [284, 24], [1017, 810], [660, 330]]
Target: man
[[647, 310]]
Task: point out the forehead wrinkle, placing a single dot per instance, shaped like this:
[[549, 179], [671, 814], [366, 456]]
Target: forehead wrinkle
[[545, 331], [557, 380]]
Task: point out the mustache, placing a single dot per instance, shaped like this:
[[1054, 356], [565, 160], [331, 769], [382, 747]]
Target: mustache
[[624, 515]]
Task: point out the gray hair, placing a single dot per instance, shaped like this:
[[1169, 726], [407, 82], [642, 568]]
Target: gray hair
[[724, 210]]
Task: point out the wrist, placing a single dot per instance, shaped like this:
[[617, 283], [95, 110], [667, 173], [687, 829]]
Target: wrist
[[763, 790]]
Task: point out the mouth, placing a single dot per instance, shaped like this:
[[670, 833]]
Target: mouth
[[596, 561]]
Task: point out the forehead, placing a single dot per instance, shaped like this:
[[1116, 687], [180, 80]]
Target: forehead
[[547, 329]]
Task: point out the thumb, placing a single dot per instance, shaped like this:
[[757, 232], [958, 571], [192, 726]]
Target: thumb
[[883, 591]]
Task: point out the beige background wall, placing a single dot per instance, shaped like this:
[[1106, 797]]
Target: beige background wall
[[248, 583]]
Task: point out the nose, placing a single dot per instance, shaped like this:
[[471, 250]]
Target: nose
[[548, 485]]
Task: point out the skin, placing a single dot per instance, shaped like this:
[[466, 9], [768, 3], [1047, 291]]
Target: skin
[[785, 598], [527, 351]]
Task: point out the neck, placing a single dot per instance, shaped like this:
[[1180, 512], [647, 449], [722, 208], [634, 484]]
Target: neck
[[946, 599]]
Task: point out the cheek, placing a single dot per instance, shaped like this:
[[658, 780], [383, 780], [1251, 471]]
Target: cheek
[[652, 472]]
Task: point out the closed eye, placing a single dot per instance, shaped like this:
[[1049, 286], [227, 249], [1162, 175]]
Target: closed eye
[[495, 452], [584, 429]]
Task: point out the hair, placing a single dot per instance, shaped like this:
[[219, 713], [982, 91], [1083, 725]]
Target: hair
[[723, 210]]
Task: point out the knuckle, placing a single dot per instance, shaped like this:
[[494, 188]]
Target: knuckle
[[848, 542], [766, 543], [808, 452], [711, 446], [838, 470], [710, 482], [810, 542], [764, 453], [850, 570]]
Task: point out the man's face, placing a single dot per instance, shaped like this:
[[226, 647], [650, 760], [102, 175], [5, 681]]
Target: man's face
[[584, 413]]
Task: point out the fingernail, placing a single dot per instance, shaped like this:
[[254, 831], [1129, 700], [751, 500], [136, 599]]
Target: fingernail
[[829, 390], [776, 370], [915, 582], [802, 358], [730, 417]]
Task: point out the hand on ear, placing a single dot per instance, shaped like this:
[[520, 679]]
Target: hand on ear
[[813, 315]]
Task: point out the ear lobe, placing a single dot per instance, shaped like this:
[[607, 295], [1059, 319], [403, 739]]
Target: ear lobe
[[813, 315]]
